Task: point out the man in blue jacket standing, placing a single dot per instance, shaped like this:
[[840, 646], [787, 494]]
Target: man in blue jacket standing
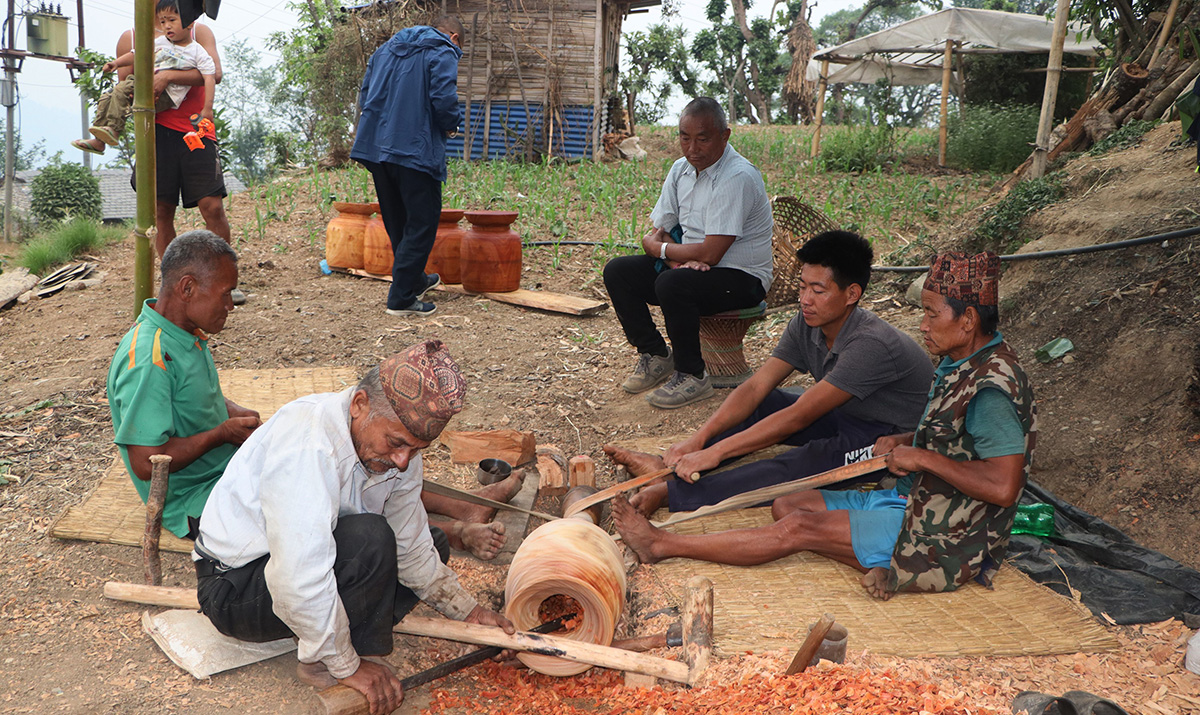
[[409, 104]]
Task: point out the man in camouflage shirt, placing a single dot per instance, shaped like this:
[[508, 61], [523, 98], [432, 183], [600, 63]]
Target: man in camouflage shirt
[[961, 472]]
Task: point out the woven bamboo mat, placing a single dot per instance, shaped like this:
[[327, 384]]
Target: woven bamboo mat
[[113, 513], [767, 607]]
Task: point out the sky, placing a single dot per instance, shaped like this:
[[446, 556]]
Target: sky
[[49, 107]]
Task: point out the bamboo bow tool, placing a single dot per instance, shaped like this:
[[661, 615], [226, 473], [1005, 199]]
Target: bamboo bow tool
[[606, 494], [771, 493], [453, 493]]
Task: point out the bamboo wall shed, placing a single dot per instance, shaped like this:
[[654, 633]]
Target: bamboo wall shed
[[537, 77]]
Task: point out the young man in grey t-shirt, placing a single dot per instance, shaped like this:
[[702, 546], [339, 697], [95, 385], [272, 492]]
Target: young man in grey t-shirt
[[871, 380]]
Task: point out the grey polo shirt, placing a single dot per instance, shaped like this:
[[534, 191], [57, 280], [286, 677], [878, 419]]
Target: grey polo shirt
[[726, 199], [887, 373]]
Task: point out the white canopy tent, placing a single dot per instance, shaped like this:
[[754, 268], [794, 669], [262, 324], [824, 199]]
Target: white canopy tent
[[921, 50]]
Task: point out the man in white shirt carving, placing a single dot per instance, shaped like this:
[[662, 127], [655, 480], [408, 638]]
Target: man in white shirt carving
[[317, 530]]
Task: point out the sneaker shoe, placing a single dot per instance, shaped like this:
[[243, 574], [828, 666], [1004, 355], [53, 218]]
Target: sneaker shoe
[[433, 280], [104, 134], [239, 298], [650, 371], [682, 389], [415, 308]]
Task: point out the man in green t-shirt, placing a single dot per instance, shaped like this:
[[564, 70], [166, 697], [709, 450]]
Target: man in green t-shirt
[[163, 389]]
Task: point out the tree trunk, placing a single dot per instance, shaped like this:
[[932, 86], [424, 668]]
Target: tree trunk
[[1163, 100], [798, 92]]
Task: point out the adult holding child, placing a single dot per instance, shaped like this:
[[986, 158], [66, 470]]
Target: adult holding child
[[193, 178]]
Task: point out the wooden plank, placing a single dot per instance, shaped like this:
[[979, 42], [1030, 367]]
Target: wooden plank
[[579, 651], [541, 300], [516, 523], [513, 446]]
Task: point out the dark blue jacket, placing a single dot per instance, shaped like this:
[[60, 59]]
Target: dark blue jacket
[[409, 100]]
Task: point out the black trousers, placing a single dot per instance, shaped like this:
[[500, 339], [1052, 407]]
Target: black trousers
[[684, 295], [410, 203], [239, 605]]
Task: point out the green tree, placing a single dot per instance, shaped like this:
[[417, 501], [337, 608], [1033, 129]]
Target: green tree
[[745, 58], [658, 63]]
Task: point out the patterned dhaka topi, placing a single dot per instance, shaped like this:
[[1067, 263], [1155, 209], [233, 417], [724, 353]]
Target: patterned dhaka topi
[[424, 386], [971, 279]]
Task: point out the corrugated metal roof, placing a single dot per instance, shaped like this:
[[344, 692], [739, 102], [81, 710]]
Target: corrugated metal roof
[[118, 200], [509, 131]]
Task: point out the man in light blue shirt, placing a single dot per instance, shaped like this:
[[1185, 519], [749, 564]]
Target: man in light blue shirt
[[709, 252]]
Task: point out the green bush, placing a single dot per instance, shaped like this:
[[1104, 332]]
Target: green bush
[[65, 190], [1129, 135], [66, 241], [858, 149], [991, 137], [1000, 229]]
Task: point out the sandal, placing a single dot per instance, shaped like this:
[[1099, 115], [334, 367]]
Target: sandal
[[82, 145]]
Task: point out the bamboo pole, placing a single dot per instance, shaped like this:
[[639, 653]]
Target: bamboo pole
[[468, 137], [547, 110], [487, 87], [943, 116], [1050, 95], [143, 128], [597, 51], [1166, 31], [822, 85]]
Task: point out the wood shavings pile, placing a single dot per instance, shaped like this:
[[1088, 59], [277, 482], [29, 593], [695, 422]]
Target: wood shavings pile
[[828, 689]]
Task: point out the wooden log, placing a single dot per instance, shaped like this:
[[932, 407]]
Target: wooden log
[[1050, 92], [552, 470], [820, 113], [1167, 96], [168, 596], [160, 474], [575, 494], [1129, 77], [943, 116], [697, 626], [583, 471], [343, 700], [809, 648], [513, 446], [590, 653]]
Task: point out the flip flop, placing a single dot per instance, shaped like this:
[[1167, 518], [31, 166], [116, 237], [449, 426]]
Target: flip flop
[[83, 146]]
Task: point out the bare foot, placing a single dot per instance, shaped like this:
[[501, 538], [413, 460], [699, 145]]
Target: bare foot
[[638, 463], [316, 675], [650, 499], [483, 540], [875, 581], [501, 491], [636, 530]]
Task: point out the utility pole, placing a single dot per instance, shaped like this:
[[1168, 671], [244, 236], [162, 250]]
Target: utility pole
[[83, 104], [8, 96]]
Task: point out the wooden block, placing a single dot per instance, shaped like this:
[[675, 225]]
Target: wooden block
[[169, 596], [639, 680], [583, 471], [552, 468], [512, 446], [697, 626]]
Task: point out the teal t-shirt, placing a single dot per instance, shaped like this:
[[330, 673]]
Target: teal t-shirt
[[163, 384], [992, 418]]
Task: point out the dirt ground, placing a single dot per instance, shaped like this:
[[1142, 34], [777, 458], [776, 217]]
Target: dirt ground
[[1120, 432]]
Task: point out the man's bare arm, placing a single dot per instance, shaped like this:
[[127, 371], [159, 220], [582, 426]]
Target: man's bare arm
[[207, 40], [185, 450], [996, 480]]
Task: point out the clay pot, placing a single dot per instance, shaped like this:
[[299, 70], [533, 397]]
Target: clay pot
[[491, 253], [345, 234], [444, 257], [377, 247]]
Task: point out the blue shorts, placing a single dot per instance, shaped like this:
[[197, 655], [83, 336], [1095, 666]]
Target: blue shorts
[[875, 521]]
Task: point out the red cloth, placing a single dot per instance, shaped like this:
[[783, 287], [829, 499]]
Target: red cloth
[[179, 118]]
